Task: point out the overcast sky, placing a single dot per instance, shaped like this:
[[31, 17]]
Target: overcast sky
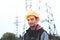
[[9, 9]]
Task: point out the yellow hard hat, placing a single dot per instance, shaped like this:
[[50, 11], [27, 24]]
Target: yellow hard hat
[[32, 13]]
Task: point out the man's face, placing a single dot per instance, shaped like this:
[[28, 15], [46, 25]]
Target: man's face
[[32, 21]]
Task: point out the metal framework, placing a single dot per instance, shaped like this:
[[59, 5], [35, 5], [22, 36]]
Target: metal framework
[[28, 4], [50, 19]]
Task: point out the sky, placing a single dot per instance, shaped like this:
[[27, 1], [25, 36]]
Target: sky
[[9, 9]]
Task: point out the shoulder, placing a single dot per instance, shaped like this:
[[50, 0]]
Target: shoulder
[[43, 32], [25, 34], [27, 31], [44, 35]]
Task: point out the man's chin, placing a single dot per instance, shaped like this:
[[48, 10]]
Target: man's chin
[[31, 25]]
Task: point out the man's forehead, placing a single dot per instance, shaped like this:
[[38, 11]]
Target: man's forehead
[[31, 17]]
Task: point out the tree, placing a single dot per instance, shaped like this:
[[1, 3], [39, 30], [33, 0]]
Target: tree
[[9, 36]]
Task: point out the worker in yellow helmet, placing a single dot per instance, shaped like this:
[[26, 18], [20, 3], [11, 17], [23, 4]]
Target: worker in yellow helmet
[[35, 31]]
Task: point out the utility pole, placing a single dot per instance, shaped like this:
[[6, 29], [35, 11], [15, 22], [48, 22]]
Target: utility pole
[[17, 25]]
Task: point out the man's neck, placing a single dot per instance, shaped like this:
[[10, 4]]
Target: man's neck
[[33, 27]]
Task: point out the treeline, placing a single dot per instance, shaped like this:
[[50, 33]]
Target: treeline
[[53, 37], [12, 36], [9, 36]]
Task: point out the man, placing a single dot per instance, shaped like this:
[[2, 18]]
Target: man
[[35, 31]]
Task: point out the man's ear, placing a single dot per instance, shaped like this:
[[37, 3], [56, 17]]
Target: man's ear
[[37, 19]]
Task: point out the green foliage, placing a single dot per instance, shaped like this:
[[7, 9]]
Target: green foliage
[[9, 36]]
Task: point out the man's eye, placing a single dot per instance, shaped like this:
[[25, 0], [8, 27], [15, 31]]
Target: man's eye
[[32, 19], [28, 19]]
